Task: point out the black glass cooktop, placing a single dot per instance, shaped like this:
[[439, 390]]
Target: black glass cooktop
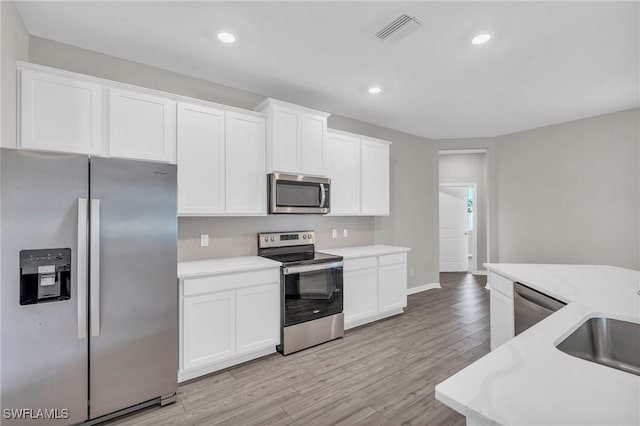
[[302, 257]]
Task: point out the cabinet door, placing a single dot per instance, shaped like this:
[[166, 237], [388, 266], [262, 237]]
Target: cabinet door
[[141, 126], [360, 294], [313, 135], [60, 113], [342, 165], [258, 318], [501, 314], [208, 328], [246, 179], [375, 178], [392, 287], [285, 137], [201, 160]]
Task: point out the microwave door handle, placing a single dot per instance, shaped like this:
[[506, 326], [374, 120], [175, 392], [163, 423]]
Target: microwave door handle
[[323, 195]]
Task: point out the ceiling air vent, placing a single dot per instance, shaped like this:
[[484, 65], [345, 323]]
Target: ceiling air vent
[[398, 28]]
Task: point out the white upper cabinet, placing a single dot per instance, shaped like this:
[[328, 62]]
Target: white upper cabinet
[[313, 138], [141, 126], [375, 177], [285, 127], [221, 162], [358, 167], [295, 138], [342, 165], [60, 113], [246, 178], [201, 160]]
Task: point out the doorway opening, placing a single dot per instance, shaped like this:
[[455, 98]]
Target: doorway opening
[[463, 211]]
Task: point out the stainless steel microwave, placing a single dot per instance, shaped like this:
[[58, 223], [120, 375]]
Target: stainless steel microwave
[[299, 194]]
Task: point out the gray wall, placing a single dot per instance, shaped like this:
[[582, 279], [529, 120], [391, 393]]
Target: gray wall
[[470, 168], [569, 193], [411, 221]]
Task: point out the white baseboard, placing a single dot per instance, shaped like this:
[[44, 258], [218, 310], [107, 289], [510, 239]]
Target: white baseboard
[[479, 273], [421, 288]]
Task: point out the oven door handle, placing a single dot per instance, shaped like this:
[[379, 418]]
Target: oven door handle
[[310, 268]]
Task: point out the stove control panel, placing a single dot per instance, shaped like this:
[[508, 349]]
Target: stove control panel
[[286, 239]]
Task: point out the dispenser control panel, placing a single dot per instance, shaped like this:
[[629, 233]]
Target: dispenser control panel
[[45, 275]]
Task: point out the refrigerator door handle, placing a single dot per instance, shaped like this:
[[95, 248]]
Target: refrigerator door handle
[[95, 267], [81, 268]]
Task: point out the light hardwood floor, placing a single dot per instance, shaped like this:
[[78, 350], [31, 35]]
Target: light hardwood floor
[[379, 374]]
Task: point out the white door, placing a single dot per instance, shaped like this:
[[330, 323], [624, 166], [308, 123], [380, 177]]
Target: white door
[[313, 134], [375, 178], [201, 160], [258, 318], [60, 114], [141, 126], [454, 249], [209, 328], [246, 178], [342, 165]]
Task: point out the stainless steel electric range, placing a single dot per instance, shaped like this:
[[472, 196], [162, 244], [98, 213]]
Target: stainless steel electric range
[[310, 291]]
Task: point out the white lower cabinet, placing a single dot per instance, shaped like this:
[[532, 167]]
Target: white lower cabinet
[[209, 328], [392, 282], [360, 293], [258, 318], [374, 287], [227, 319], [501, 310]]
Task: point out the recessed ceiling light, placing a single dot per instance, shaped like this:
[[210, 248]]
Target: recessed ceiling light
[[374, 90], [481, 38], [226, 37]]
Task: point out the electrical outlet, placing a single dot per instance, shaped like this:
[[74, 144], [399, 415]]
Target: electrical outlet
[[411, 272], [204, 240], [345, 233], [334, 233]]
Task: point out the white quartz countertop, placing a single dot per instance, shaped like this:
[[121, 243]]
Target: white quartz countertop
[[365, 251], [527, 381], [201, 268]]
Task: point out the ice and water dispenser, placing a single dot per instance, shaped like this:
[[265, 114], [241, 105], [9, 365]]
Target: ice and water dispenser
[[45, 275]]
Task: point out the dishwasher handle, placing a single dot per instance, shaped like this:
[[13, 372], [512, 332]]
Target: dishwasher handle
[[538, 299]]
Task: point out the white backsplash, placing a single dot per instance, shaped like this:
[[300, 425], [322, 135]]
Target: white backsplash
[[237, 236]]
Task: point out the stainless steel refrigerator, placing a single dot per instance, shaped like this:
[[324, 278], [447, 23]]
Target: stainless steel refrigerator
[[88, 292]]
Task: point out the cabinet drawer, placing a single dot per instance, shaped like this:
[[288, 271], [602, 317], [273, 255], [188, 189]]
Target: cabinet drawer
[[202, 285], [360, 263], [501, 284], [391, 259]]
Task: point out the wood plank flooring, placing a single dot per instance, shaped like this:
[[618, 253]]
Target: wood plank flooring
[[379, 374]]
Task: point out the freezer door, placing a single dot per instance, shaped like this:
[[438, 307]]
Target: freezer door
[[44, 345], [133, 285]]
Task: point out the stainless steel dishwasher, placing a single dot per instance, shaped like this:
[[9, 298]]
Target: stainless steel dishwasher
[[531, 307]]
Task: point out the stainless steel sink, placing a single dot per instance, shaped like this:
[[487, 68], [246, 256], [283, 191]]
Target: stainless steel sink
[[606, 341]]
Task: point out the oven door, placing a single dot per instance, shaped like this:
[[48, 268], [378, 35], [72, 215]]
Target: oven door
[[311, 292], [298, 194]]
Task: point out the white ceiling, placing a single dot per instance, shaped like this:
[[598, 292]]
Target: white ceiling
[[548, 62]]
